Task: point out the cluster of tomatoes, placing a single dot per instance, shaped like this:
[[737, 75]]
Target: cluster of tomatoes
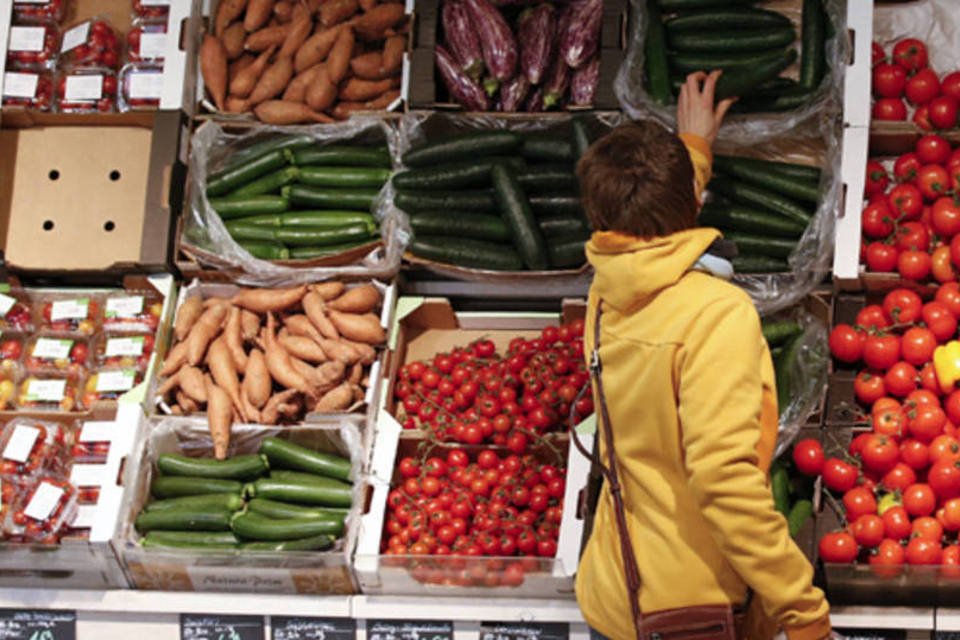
[[101, 48], [911, 222], [907, 74], [23, 521], [104, 102], [44, 56], [45, 451], [473, 504], [472, 395]]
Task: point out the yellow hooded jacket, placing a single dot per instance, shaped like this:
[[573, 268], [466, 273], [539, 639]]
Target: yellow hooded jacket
[[690, 388]]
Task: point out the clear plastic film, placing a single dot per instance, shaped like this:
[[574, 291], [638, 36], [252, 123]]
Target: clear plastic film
[[205, 236], [936, 22], [825, 102]]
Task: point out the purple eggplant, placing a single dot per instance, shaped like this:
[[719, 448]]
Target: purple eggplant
[[535, 30], [583, 84], [513, 93], [557, 83], [535, 101], [461, 37], [582, 36], [461, 87], [496, 39]]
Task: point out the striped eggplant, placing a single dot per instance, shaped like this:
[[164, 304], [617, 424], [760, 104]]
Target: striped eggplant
[[535, 29], [461, 37], [513, 93], [496, 39], [557, 83], [582, 36], [583, 84], [535, 101], [462, 89]]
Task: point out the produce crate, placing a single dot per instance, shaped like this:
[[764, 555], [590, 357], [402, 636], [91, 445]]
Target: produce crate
[[423, 328], [856, 81], [322, 572]]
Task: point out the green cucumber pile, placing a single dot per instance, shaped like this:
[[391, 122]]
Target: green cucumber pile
[[290, 198], [763, 206], [286, 497], [753, 46], [496, 200], [783, 338]]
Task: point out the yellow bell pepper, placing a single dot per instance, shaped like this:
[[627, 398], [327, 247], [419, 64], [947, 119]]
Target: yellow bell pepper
[[946, 363]]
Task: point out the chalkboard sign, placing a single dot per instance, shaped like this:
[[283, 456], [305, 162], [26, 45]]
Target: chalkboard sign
[[524, 631], [28, 624], [873, 634], [286, 628], [216, 627], [947, 635], [409, 630]]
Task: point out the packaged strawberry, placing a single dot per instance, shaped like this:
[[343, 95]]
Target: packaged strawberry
[[28, 90], [35, 45], [141, 84], [42, 509], [91, 43]]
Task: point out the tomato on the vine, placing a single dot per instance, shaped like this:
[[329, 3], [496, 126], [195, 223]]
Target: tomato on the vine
[[911, 54], [889, 109], [903, 306], [922, 87], [933, 149]]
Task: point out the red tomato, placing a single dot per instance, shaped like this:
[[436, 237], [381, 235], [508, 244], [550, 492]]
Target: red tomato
[[913, 236], [899, 477], [914, 265], [944, 479], [896, 522], [838, 546], [889, 422], [944, 447], [877, 220], [945, 213], [921, 399], [917, 345], [903, 306], [933, 149], [942, 112], [881, 351], [889, 109], [846, 343], [922, 551], [914, 454], [906, 201], [952, 406], [889, 553], [950, 85], [880, 454], [889, 80], [868, 387], [928, 528], [877, 178], [868, 530], [949, 295], [921, 118], [872, 316], [919, 500], [941, 265], [882, 257], [906, 166], [901, 379], [928, 378], [951, 515], [911, 54], [876, 54], [933, 181], [927, 423], [858, 443], [923, 87], [808, 457], [838, 475]]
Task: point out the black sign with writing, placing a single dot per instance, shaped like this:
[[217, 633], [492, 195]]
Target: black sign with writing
[[947, 635], [285, 628], [873, 634], [524, 631], [27, 624], [216, 627], [409, 630]]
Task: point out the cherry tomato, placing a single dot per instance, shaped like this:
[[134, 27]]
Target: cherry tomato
[[921, 551], [889, 555], [877, 178], [872, 317], [906, 201], [941, 265], [922, 87], [927, 423], [868, 387], [882, 257], [917, 345], [838, 475], [942, 112], [881, 351], [903, 306], [889, 109], [868, 530], [948, 294], [901, 379], [880, 454], [846, 343], [950, 85], [939, 320], [906, 167], [838, 546], [889, 80], [808, 457], [919, 500], [899, 477], [911, 54], [933, 149], [944, 479], [877, 220]]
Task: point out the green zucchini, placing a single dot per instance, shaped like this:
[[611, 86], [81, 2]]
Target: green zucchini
[[801, 511], [277, 509], [762, 245], [469, 225], [558, 204], [567, 251], [260, 149], [467, 252], [735, 217], [321, 236], [211, 501], [778, 332], [235, 177], [241, 231], [813, 36], [516, 212], [419, 201], [655, 55], [784, 100], [759, 264], [731, 40], [780, 487], [190, 540], [235, 468], [312, 543], [684, 63], [463, 147], [345, 177], [453, 175], [311, 253], [547, 149], [266, 250], [562, 225], [547, 178], [254, 526], [330, 198], [749, 194], [800, 171], [284, 454], [336, 155], [270, 183], [230, 208], [696, 5], [331, 493], [768, 178], [184, 520], [734, 18], [177, 486], [741, 82]]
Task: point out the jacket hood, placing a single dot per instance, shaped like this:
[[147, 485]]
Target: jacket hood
[[630, 269]]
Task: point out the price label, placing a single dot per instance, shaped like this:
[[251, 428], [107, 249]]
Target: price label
[[147, 85], [19, 85], [97, 431], [21, 443], [120, 380], [124, 347], [73, 309], [874, 634], [28, 624], [88, 475], [524, 631], [287, 628], [27, 38], [75, 37], [409, 630], [216, 627], [127, 307], [155, 3], [52, 348], [88, 87], [45, 499], [45, 390], [153, 45]]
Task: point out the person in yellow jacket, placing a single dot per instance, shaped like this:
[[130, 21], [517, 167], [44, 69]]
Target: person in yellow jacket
[[690, 387]]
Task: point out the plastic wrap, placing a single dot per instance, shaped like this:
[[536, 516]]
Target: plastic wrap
[[933, 21], [751, 127], [205, 237]]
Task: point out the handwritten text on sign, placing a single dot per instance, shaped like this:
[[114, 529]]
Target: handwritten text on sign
[[24, 624], [215, 627], [409, 630]]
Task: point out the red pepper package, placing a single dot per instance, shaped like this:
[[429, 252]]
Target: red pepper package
[[129, 351], [68, 314], [55, 354], [29, 90], [92, 43], [33, 45], [39, 9], [11, 350], [151, 8], [141, 84], [109, 384], [49, 393], [87, 90], [32, 446], [42, 509], [147, 40], [132, 311]]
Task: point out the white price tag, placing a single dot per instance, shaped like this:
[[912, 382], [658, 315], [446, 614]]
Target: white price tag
[[88, 475], [129, 307], [97, 431], [71, 309], [45, 499], [75, 37], [121, 380], [52, 348], [155, 3], [124, 347], [20, 85], [145, 85], [6, 302], [45, 390], [153, 45], [27, 38], [21, 443], [89, 87], [86, 516], [32, 2]]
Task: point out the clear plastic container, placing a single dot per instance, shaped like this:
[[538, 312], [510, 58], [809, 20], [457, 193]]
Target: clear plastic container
[[91, 43], [57, 354], [33, 45], [151, 8], [87, 90], [33, 446], [109, 384], [11, 352], [132, 311], [15, 314], [28, 89], [147, 40], [124, 351], [141, 84], [49, 393], [41, 509], [92, 446], [39, 9], [79, 314]]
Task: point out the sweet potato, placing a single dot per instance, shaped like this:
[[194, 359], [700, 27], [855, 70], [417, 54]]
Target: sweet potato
[[303, 348], [257, 15], [312, 376], [279, 364], [290, 410], [356, 373], [273, 81], [360, 327], [253, 415], [367, 66], [337, 399], [191, 383], [176, 357], [300, 325], [296, 91], [337, 350], [213, 67], [264, 300], [333, 12], [219, 419], [256, 382], [171, 383], [267, 37], [338, 62], [300, 27], [203, 332], [283, 11], [322, 91], [332, 372], [382, 101], [220, 363], [343, 110], [234, 339], [392, 58], [227, 12], [271, 410], [187, 314], [186, 403], [366, 354], [282, 112], [315, 48], [246, 80], [328, 290], [314, 307], [362, 299], [366, 5], [239, 65], [372, 24], [233, 38], [358, 90]]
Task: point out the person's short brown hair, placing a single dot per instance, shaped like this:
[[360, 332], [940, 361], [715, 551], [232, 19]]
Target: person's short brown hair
[[638, 179]]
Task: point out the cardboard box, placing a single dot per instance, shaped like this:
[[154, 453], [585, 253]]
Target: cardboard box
[[857, 75]]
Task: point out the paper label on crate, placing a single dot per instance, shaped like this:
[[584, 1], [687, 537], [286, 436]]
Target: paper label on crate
[[127, 307], [84, 88], [220, 627], [121, 380], [19, 85], [46, 624], [241, 580], [409, 630], [72, 309], [155, 3], [290, 628], [153, 45], [46, 390], [86, 517], [32, 2], [97, 431], [75, 37], [27, 38], [52, 348], [45, 499], [21, 443], [124, 347], [89, 475], [524, 631], [148, 84]]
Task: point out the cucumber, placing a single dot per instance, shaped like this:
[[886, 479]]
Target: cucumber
[[335, 155], [556, 205], [270, 183], [284, 454], [778, 332], [265, 220], [235, 468], [759, 264], [516, 212], [467, 252], [696, 5], [276, 509], [263, 148], [741, 82], [266, 250], [452, 175], [685, 63], [780, 487], [229, 208], [184, 520], [470, 225], [333, 493], [177, 486], [547, 149], [753, 195], [799, 171], [734, 18], [768, 178], [420, 201], [732, 40], [813, 37], [329, 198], [547, 178], [554, 226], [190, 540], [581, 138], [785, 100], [313, 543], [655, 56], [310, 253], [775, 86], [762, 245], [783, 368], [735, 217], [236, 176], [320, 218], [346, 177], [567, 251], [254, 526], [241, 231], [211, 501], [301, 477], [322, 236], [801, 511], [463, 147]]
